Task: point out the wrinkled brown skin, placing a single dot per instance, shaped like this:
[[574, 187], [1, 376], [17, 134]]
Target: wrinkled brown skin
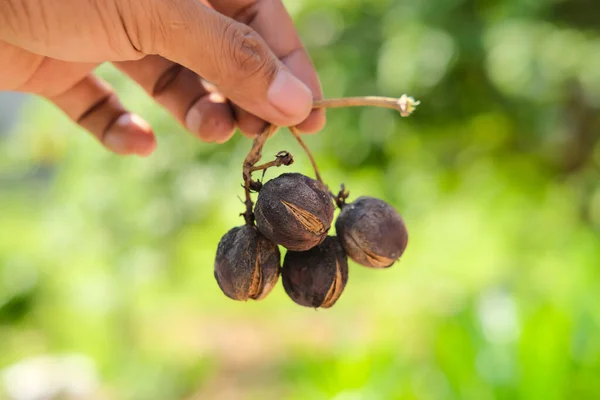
[[294, 211], [372, 232], [317, 277], [247, 264]]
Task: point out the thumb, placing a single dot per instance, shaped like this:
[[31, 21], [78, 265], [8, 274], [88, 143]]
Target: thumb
[[230, 55]]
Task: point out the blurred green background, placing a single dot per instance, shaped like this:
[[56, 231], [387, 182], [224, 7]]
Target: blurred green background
[[106, 281]]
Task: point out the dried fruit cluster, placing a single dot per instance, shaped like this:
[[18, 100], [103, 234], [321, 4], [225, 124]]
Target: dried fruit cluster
[[297, 213]]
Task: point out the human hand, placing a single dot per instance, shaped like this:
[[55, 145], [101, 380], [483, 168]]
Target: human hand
[[248, 49]]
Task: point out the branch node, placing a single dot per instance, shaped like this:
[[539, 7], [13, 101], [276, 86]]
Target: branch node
[[341, 197]]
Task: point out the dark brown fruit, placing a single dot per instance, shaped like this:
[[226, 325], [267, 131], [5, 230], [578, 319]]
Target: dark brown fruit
[[317, 277], [294, 211], [247, 264], [372, 232]]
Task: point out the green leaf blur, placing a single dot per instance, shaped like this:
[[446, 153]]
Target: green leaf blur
[[497, 174]]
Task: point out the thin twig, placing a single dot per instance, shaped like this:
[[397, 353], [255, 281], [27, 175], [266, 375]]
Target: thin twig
[[256, 151], [252, 158], [248, 214], [405, 105], [282, 158], [298, 137]]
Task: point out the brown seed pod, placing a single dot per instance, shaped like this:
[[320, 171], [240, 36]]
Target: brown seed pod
[[247, 264], [317, 277], [372, 232], [294, 211]]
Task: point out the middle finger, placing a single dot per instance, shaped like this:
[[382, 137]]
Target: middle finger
[[203, 113]]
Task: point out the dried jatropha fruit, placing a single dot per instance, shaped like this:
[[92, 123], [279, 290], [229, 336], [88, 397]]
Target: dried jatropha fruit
[[294, 211], [372, 232], [247, 264], [317, 277]]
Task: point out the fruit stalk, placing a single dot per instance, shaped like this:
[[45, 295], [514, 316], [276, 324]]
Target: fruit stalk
[[298, 137], [252, 158], [339, 198], [405, 105], [281, 158]]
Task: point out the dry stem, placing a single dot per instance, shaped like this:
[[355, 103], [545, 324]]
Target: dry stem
[[298, 137], [405, 105], [251, 159], [281, 158]]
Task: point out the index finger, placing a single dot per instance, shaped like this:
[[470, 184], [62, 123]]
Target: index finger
[[271, 21]]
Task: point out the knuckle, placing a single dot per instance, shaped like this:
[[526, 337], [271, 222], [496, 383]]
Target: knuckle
[[134, 23], [248, 54], [156, 33], [23, 18], [149, 28], [9, 16]]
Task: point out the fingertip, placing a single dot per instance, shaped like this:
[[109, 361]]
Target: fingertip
[[146, 146], [210, 120], [248, 124], [222, 128], [225, 139], [130, 135], [314, 123]]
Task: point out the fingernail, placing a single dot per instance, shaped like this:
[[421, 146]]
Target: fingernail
[[193, 119], [130, 134], [289, 95]]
